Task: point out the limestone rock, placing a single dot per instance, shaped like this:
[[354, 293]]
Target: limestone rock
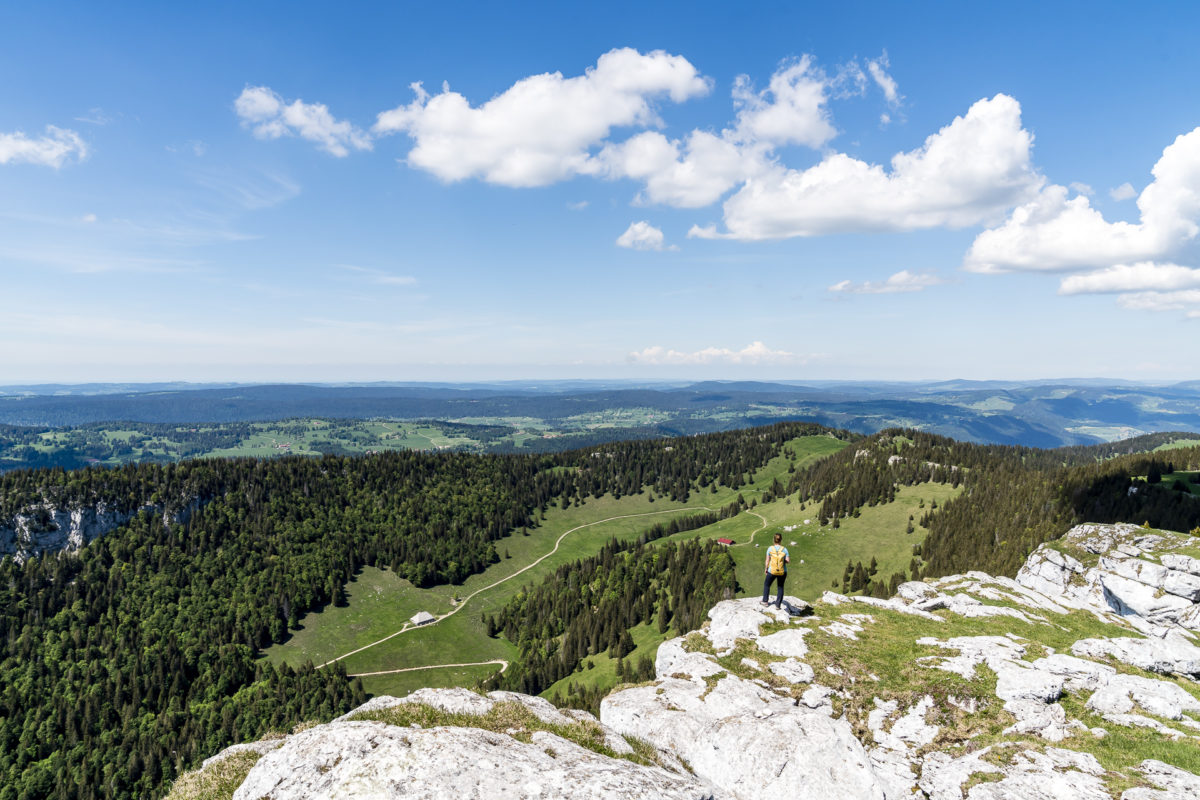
[[1172, 782], [943, 776], [1181, 563], [370, 759], [452, 701], [804, 752], [1079, 674], [1049, 571], [793, 671], [733, 620], [540, 707], [785, 643], [1160, 698], [45, 528], [1154, 655], [672, 659], [1054, 774]]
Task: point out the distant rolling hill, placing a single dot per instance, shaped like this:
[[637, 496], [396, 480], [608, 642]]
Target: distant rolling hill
[[1040, 413]]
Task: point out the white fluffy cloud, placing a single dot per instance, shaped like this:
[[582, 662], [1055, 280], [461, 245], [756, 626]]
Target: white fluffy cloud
[[542, 128], [699, 168], [753, 353], [1144, 276], [972, 170], [641, 236], [270, 117], [1053, 233], [902, 281], [791, 110], [53, 149], [691, 173]]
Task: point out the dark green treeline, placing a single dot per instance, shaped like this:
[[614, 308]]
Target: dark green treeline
[[131, 660], [587, 607]]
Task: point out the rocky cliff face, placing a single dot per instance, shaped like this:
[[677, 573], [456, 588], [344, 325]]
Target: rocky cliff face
[[47, 528], [1077, 680]]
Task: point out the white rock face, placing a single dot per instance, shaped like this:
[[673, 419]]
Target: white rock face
[[1053, 775], [796, 751], [1123, 692], [47, 529], [1131, 577], [793, 671], [1153, 655], [785, 643], [1172, 782], [733, 620], [373, 760]]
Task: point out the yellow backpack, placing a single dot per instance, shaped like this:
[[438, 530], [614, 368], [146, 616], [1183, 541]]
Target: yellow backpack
[[776, 564]]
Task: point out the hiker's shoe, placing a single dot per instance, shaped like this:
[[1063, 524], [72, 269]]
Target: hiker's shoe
[[764, 603]]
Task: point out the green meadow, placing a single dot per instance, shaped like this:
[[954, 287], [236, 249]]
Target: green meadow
[[379, 604]]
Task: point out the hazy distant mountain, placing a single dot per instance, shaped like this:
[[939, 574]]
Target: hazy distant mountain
[[1035, 413]]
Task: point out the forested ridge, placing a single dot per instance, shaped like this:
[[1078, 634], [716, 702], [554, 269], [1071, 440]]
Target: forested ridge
[[1012, 499], [130, 660]]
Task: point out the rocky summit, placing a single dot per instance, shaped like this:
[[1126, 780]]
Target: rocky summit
[[1077, 680]]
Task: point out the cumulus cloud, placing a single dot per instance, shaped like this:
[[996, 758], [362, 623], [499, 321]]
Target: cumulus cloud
[[641, 236], [699, 168], [902, 281], [1080, 188], [971, 171], [1144, 276], [53, 149], [268, 116], [791, 110], [1052, 232], [753, 353], [542, 128], [688, 173], [1123, 192]]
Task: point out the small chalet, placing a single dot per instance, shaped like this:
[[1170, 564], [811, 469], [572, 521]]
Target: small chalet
[[725, 542], [422, 618]]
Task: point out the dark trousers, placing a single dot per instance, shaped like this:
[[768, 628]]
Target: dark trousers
[[767, 588]]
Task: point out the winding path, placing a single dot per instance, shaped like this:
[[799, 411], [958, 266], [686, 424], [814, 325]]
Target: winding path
[[756, 530], [463, 603], [503, 666]]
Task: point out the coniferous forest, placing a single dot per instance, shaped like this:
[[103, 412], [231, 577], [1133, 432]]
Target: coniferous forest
[[588, 607], [134, 658], [131, 660]]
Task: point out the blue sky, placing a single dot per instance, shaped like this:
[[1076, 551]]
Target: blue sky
[[786, 191]]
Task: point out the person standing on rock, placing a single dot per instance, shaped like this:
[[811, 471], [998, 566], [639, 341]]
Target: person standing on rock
[[776, 570]]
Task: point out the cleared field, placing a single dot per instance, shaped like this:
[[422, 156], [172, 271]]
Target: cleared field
[[1178, 443]]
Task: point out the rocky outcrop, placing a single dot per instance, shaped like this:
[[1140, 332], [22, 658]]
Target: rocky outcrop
[[1121, 569], [46, 528], [788, 703], [376, 760]]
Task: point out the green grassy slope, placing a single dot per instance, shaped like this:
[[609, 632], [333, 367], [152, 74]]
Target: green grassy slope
[[380, 603]]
